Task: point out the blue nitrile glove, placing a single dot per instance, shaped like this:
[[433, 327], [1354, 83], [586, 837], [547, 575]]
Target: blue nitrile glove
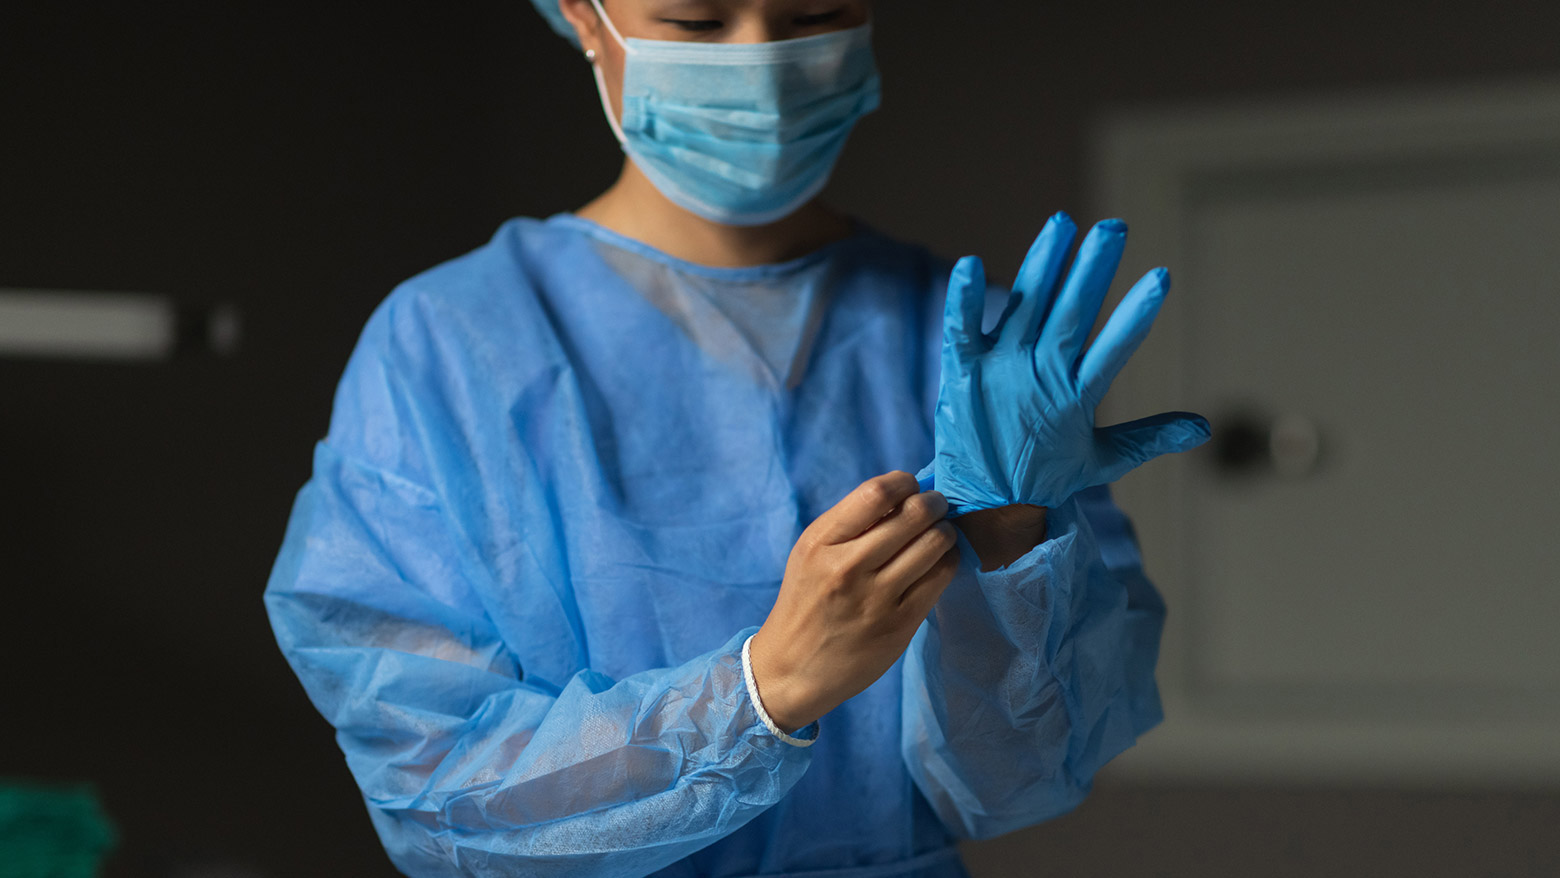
[[1015, 411]]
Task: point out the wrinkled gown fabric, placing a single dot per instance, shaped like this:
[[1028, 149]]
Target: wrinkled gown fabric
[[562, 478]]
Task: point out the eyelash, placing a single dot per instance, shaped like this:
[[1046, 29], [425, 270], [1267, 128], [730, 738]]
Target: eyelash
[[706, 25], [693, 26]]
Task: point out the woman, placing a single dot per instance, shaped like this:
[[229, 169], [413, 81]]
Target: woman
[[610, 564]]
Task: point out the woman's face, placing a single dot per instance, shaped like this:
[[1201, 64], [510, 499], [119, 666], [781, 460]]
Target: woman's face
[[703, 21]]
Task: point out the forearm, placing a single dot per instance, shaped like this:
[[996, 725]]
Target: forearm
[[607, 776], [1018, 687]]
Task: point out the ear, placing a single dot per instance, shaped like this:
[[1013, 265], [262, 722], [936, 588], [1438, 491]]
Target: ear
[[587, 24]]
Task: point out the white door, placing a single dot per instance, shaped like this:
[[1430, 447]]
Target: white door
[[1363, 573]]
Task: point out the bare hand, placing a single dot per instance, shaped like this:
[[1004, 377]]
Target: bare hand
[[858, 584]]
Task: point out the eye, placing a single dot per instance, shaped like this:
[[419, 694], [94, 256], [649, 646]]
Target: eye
[[818, 18], [693, 26]]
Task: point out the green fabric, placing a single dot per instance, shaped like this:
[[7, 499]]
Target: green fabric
[[52, 832]]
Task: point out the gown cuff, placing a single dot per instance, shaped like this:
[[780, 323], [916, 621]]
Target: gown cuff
[[804, 737]]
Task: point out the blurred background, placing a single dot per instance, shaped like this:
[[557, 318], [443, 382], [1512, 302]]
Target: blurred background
[[1361, 672]]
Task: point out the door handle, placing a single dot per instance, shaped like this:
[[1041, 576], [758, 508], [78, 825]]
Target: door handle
[[1248, 443]]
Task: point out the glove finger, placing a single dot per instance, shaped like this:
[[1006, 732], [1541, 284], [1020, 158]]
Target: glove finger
[[965, 308], [1123, 333], [1010, 306], [1067, 327], [1036, 280], [927, 477], [1134, 443]]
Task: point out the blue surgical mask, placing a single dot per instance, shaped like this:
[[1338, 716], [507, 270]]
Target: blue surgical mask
[[741, 133]]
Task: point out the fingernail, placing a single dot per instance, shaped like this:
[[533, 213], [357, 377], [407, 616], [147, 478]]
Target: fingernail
[[1112, 225]]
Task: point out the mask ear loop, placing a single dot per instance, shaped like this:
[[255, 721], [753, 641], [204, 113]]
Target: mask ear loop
[[601, 80], [611, 28]]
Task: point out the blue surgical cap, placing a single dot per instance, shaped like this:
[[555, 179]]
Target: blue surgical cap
[[550, 11]]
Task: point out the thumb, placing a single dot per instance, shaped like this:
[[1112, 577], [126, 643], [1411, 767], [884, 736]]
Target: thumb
[[1134, 443]]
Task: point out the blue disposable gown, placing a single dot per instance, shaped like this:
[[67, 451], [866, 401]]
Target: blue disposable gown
[[561, 482]]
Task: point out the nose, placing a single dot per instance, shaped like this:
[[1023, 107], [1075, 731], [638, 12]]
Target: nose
[[759, 25], [756, 29]]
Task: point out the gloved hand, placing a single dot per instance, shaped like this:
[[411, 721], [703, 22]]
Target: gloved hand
[[1015, 411]]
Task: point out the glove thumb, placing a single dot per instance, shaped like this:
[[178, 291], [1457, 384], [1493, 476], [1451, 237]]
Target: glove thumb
[[1130, 445]]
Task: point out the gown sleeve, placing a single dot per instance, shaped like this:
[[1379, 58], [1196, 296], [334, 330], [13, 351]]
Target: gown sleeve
[[469, 767], [1025, 680]]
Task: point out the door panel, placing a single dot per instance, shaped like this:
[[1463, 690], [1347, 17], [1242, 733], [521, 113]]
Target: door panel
[[1373, 586]]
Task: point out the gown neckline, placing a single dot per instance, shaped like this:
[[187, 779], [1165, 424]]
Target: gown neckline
[[860, 233]]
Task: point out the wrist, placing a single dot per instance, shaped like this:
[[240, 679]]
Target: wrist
[[780, 692], [1003, 535]]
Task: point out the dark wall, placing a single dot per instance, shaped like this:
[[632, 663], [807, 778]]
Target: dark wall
[[300, 159]]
